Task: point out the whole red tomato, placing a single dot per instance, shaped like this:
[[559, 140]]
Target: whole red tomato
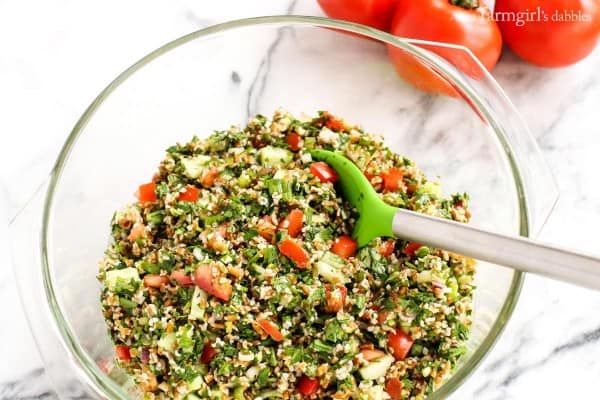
[[550, 33], [463, 22], [375, 13]]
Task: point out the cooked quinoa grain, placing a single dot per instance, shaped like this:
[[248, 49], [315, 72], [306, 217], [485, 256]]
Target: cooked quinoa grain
[[234, 275]]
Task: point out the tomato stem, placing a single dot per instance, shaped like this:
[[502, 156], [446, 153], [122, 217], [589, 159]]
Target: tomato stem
[[468, 4]]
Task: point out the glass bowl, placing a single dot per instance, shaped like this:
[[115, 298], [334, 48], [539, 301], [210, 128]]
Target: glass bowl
[[219, 76]]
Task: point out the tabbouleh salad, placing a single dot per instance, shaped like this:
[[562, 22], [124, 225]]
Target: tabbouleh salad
[[234, 275]]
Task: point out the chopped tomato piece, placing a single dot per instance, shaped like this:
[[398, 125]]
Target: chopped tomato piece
[[265, 228], [294, 141], [393, 387], [208, 353], [344, 247], [400, 343], [181, 278], [324, 172], [335, 298], [371, 354], [203, 277], [387, 248], [333, 123], [392, 180], [271, 329], [190, 194], [222, 290], [307, 386], [209, 178], [411, 248], [292, 250], [137, 231], [122, 352], [293, 222], [155, 281], [206, 279], [146, 192]]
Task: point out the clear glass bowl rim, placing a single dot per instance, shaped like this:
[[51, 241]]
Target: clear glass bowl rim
[[89, 371]]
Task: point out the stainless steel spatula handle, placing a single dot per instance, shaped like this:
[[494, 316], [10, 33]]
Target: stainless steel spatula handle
[[515, 252]]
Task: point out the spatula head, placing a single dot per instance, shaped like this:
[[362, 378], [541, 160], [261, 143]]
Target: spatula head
[[375, 216]]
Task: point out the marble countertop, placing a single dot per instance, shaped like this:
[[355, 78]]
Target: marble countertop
[[57, 55]]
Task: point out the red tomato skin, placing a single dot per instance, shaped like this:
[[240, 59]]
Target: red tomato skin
[[146, 192], [221, 290], [377, 14], [155, 281], [294, 141], [411, 248], [393, 387], [271, 329], [307, 386], [392, 180], [122, 352], [292, 250], [293, 222], [208, 353], [344, 247], [190, 194], [387, 248], [324, 172], [441, 21], [206, 280], [400, 343], [181, 278], [544, 40], [203, 277]]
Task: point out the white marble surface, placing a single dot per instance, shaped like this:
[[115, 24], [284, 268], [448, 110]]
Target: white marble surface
[[57, 55]]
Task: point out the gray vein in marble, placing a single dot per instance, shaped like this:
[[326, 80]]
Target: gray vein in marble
[[25, 388], [235, 77], [580, 93], [259, 82], [579, 341]]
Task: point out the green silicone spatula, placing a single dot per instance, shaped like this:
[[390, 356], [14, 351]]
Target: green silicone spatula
[[378, 219]]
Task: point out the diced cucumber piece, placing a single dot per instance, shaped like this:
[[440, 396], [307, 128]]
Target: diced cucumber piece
[[167, 341], [192, 396], [274, 156], [465, 279], [310, 142], [193, 166], [431, 188], [238, 393], [196, 384], [118, 280], [424, 276], [185, 338], [244, 180], [333, 259], [452, 295], [377, 368], [199, 300], [422, 251], [330, 273]]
